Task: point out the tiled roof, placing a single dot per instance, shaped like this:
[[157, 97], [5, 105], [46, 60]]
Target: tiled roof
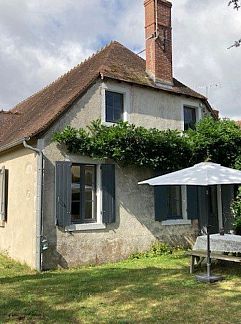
[[239, 122], [35, 114]]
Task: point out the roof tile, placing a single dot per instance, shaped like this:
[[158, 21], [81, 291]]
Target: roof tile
[[35, 114]]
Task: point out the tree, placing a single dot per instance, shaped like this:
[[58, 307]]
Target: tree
[[236, 5]]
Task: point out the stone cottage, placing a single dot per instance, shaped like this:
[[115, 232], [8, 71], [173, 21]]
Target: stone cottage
[[90, 211]]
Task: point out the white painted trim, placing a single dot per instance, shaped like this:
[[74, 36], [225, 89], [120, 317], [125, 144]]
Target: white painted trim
[[98, 195], [85, 227], [127, 100], [220, 207], [176, 222]]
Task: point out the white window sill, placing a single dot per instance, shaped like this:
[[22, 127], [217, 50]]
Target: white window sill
[[109, 124], [177, 222], [84, 227]]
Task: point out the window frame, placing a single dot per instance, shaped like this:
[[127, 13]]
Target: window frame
[[184, 220], [98, 224], [198, 112], [122, 108], [194, 109], [82, 219], [121, 89]]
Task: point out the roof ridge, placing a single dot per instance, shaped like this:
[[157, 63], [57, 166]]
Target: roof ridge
[[64, 75]]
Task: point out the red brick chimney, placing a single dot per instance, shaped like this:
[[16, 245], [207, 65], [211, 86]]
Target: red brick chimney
[[158, 27]]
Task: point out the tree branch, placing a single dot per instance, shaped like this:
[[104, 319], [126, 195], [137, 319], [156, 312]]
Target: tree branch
[[235, 4]]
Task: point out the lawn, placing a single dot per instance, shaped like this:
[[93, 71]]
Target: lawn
[[146, 290]]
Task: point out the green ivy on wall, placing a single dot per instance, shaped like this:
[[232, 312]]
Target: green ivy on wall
[[169, 150]]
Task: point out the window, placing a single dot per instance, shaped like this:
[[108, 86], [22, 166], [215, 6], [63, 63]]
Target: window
[[114, 106], [85, 195], [3, 195], [175, 202], [190, 118], [171, 205], [83, 204]]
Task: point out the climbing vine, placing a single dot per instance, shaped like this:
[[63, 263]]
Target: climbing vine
[[169, 150]]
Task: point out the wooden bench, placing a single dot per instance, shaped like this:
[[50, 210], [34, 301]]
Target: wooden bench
[[198, 256]]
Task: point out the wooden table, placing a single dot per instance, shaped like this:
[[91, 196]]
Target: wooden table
[[198, 256]]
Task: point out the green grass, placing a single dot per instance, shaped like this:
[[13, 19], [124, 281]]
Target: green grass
[[146, 290]]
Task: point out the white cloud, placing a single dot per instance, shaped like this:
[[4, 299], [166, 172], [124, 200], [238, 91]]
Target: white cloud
[[41, 39]]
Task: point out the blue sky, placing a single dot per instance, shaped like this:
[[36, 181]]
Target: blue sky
[[42, 39]]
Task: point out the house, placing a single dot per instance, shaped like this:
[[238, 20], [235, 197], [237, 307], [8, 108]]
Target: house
[[89, 211]]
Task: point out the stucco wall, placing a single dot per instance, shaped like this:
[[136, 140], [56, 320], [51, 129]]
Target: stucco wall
[[135, 228], [152, 108], [18, 236]]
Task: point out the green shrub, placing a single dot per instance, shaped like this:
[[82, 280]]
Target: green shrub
[[236, 209], [218, 141], [157, 249]]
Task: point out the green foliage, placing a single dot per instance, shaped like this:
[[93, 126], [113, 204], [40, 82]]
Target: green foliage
[[169, 150], [127, 144], [236, 209], [157, 249], [218, 141]]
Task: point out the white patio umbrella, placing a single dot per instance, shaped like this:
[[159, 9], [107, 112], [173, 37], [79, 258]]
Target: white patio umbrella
[[202, 174]]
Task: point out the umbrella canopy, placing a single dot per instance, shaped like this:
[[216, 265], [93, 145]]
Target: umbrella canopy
[[202, 174]]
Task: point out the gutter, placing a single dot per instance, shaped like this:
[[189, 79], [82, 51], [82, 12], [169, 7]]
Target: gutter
[[39, 198], [13, 144]]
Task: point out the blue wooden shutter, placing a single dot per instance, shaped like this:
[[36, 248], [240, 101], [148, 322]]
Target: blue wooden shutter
[[63, 191], [108, 193], [161, 203], [192, 202]]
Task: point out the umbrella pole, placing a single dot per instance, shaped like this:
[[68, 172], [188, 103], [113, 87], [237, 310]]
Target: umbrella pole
[[208, 253], [208, 278]]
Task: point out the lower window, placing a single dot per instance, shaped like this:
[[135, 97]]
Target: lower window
[[83, 196], [175, 202]]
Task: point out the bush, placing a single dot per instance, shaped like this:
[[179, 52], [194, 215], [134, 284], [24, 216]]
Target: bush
[[157, 249], [164, 150], [236, 209]]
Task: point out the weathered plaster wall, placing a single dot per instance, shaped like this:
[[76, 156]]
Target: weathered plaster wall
[[18, 236], [152, 108], [135, 228]]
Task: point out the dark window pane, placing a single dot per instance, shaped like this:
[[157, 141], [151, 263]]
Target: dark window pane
[[88, 210], [90, 175], [83, 193], [174, 202], [189, 118], [114, 106], [75, 212], [75, 173], [88, 196]]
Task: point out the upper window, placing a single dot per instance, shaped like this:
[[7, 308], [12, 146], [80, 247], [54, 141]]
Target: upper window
[[83, 206], [190, 118], [114, 106]]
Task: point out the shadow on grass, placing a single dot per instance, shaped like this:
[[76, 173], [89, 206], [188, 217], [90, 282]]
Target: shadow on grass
[[115, 294]]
